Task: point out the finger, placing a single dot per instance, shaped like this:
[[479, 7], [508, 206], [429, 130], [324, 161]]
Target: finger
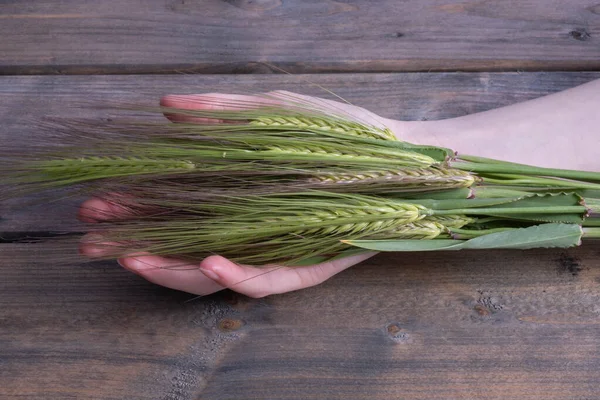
[[216, 273], [260, 282], [171, 273], [93, 245], [97, 210], [209, 101]]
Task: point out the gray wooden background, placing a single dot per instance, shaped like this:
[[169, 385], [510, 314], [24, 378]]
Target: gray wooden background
[[476, 325]]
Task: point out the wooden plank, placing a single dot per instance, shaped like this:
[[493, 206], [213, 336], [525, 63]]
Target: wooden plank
[[414, 96], [485, 325], [94, 331], [236, 36]]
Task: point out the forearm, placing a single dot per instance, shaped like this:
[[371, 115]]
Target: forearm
[[561, 130]]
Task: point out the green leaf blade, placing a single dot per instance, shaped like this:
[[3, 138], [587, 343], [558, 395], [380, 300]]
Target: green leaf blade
[[539, 236]]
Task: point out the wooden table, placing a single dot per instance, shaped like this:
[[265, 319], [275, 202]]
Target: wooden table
[[476, 325]]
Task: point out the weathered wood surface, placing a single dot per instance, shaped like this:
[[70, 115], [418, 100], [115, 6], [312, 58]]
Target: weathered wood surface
[[235, 36], [464, 325], [478, 325]]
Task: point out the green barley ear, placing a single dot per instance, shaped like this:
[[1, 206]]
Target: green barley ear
[[326, 152], [401, 179], [30, 176], [323, 124], [263, 229], [282, 111], [70, 171]]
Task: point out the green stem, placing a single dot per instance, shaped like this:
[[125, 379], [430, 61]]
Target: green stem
[[591, 233], [528, 181], [591, 222], [493, 166], [509, 211], [483, 160], [593, 205], [463, 234]]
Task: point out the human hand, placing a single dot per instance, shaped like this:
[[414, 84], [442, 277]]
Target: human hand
[[215, 272], [561, 130], [545, 132]]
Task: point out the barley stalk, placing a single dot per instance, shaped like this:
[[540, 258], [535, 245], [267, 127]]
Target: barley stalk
[[355, 221], [369, 155], [324, 124], [451, 221], [72, 170], [419, 178], [269, 228]]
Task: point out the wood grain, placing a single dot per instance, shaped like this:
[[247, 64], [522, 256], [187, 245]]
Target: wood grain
[[485, 325], [94, 331], [238, 36]]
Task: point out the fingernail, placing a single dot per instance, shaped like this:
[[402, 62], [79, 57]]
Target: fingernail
[[210, 274], [122, 264]]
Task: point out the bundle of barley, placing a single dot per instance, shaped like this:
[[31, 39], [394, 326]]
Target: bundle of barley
[[288, 183]]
